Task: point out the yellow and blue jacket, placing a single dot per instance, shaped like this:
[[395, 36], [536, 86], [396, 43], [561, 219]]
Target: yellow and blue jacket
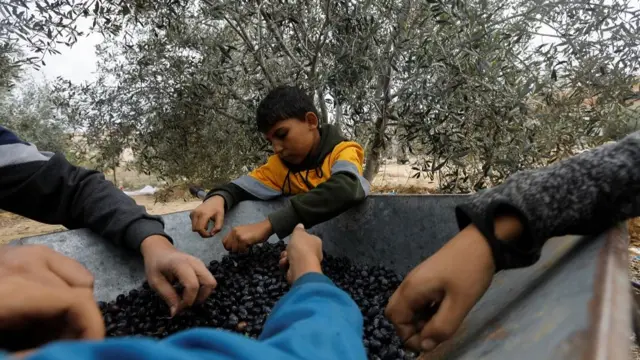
[[326, 184]]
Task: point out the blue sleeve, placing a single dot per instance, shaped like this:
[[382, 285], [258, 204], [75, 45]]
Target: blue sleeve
[[315, 320]]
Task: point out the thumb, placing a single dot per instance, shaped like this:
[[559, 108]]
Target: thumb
[[84, 315], [284, 260], [160, 284], [443, 324], [218, 220], [410, 308]]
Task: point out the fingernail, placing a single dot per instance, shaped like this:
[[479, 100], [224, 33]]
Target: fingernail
[[173, 310], [428, 345]]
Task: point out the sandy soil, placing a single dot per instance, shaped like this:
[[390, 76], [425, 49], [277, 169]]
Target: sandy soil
[[14, 227]]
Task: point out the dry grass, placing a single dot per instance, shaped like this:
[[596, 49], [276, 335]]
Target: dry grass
[[173, 193], [411, 189]]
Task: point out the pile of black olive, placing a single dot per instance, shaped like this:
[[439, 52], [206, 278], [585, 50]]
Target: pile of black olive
[[249, 285]]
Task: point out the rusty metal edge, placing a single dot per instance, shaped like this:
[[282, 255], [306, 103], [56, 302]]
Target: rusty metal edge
[[609, 332]]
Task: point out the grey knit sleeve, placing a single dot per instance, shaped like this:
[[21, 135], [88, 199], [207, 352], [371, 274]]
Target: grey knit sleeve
[[584, 194]]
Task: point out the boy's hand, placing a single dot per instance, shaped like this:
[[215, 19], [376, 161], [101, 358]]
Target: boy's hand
[[303, 254], [241, 238], [164, 263], [452, 281], [212, 209], [33, 314], [43, 265]]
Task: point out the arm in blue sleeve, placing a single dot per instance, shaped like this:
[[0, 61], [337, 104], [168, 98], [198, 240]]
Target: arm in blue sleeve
[[316, 320]]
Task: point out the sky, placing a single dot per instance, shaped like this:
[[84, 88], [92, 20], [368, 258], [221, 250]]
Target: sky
[[77, 63]]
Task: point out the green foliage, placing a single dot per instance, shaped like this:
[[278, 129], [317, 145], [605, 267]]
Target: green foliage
[[30, 112], [466, 87], [39, 27]]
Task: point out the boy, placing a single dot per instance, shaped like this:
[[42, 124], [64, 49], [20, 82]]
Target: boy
[[506, 227], [317, 165]]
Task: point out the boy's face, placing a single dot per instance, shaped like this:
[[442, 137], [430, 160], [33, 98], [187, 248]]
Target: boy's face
[[293, 139]]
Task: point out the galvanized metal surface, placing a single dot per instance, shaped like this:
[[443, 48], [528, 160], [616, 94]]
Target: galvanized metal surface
[[611, 311], [552, 310]]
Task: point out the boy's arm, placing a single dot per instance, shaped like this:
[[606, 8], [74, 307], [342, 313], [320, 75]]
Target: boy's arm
[[47, 188], [316, 320], [260, 184], [346, 188], [584, 194]]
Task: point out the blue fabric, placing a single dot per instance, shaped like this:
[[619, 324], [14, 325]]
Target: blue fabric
[[7, 137], [315, 320]]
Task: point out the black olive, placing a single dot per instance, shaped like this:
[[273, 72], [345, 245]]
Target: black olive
[[248, 287]]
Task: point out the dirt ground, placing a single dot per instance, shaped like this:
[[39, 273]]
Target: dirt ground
[[14, 227]]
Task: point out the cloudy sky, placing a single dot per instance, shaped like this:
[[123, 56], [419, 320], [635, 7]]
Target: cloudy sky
[[77, 63]]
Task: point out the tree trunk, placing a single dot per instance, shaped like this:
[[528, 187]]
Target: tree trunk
[[383, 93], [375, 152], [401, 156], [323, 107], [115, 179], [338, 115]]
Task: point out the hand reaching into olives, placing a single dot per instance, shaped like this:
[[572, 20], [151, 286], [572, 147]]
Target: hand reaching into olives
[[164, 264], [303, 254], [430, 304]]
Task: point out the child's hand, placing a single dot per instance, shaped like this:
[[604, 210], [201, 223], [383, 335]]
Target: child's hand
[[33, 314], [42, 264], [303, 254], [241, 238], [163, 263], [212, 209], [453, 279]]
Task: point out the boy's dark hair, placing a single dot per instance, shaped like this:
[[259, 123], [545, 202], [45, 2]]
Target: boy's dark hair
[[283, 102]]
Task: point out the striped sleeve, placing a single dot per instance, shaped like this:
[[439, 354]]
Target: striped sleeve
[[263, 182], [14, 151], [350, 159], [47, 188], [345, 188], [260, 184]]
